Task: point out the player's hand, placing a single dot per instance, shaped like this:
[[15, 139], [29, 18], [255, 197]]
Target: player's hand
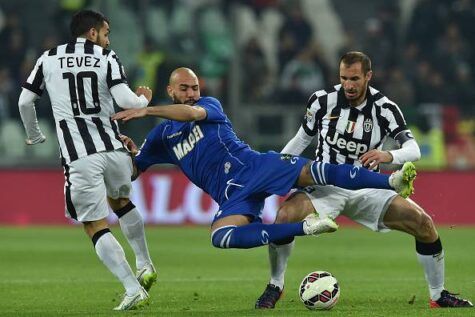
[[130, 114], [41, 139], [129, 144], [144, 90], [373, 158]]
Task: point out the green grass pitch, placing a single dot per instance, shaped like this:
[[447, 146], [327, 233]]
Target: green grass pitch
[[53, 271]]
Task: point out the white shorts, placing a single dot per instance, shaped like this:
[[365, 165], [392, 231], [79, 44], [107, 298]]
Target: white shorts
[[365, 206], [89, 180]]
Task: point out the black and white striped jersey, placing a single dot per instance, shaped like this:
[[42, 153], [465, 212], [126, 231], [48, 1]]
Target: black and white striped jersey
[[344, 133], [78, 77]]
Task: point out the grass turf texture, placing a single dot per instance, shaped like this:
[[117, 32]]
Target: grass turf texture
[[53, 271]]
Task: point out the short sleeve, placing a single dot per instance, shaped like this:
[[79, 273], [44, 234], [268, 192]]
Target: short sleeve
[[309, 119], [35, 82], [214, 110], [115, 71]]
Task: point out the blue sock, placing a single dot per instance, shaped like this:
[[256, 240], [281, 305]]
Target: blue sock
[[348, 176], [254, 234]]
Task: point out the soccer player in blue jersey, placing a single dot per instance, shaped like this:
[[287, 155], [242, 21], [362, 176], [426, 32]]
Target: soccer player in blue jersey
[[199, 138]]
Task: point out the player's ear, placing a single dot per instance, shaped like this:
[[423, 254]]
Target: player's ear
[[92, 35], [170, 91], [369, 75]]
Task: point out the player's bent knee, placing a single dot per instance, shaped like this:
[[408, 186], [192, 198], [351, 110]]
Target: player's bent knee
[[283, 215], [221, 237], [426, 226]]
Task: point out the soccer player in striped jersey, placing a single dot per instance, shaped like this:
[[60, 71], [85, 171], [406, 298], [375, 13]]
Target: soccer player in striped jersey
[[351, 121], [199, 138], [83, 78]]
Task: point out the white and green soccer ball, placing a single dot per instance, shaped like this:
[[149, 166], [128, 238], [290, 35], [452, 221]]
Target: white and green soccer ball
[[319, 290]]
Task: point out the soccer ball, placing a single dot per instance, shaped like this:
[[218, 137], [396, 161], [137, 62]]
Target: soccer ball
[[319, 290]]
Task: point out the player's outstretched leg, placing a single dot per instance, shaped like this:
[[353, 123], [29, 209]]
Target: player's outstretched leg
[[354, 177], [258, 234]]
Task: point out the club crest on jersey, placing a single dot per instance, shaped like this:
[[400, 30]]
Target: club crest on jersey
[[184, 147], [308, 116], [350, 126], [227, 167], [368, 125]]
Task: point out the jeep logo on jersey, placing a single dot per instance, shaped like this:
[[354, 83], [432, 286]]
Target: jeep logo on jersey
[[184, 147], [368, 125], [350, 146]]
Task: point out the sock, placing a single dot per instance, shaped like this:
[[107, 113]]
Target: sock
[[254, 234], [112, 255], [431, 256], [348, 176], [278, 257], [131, 224]]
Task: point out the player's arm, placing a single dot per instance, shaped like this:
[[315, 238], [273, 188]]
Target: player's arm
[[409, 152], [26, 105], [32, 90], [120, 91], [397, 129], [178, 112], [298, 143], [307, 130], [127, 99]]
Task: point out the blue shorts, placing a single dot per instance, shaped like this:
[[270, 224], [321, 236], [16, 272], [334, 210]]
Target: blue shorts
[[265, 174]]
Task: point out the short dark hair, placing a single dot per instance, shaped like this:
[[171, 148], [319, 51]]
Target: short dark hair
[[84, 20], [353, 57]]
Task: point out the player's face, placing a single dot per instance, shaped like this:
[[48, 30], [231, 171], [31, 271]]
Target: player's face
[[102, 38], [354, 82], [185, 89]]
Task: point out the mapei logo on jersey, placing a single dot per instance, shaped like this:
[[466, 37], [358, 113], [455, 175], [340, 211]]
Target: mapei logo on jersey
[[368, 125], [185, 147], [350, 146]]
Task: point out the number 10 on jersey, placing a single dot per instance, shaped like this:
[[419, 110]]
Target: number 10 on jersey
[[77, 94]]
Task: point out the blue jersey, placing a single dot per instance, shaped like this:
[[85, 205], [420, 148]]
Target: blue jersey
[[211, 155]]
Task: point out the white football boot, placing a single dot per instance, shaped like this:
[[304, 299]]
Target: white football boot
[[314, 225], [135, 301], [147, 276]]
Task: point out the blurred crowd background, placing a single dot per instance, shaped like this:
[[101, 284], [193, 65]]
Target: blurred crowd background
[[263, 59]]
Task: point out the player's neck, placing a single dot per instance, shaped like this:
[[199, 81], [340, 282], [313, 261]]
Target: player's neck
[[359, 101]]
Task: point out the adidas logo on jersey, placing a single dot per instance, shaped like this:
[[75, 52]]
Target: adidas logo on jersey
[[185, 147], [350, 146]]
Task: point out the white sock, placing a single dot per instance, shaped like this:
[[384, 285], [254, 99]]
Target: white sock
[[112, 255], [278, 257], [434, 270], [132, 226]]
